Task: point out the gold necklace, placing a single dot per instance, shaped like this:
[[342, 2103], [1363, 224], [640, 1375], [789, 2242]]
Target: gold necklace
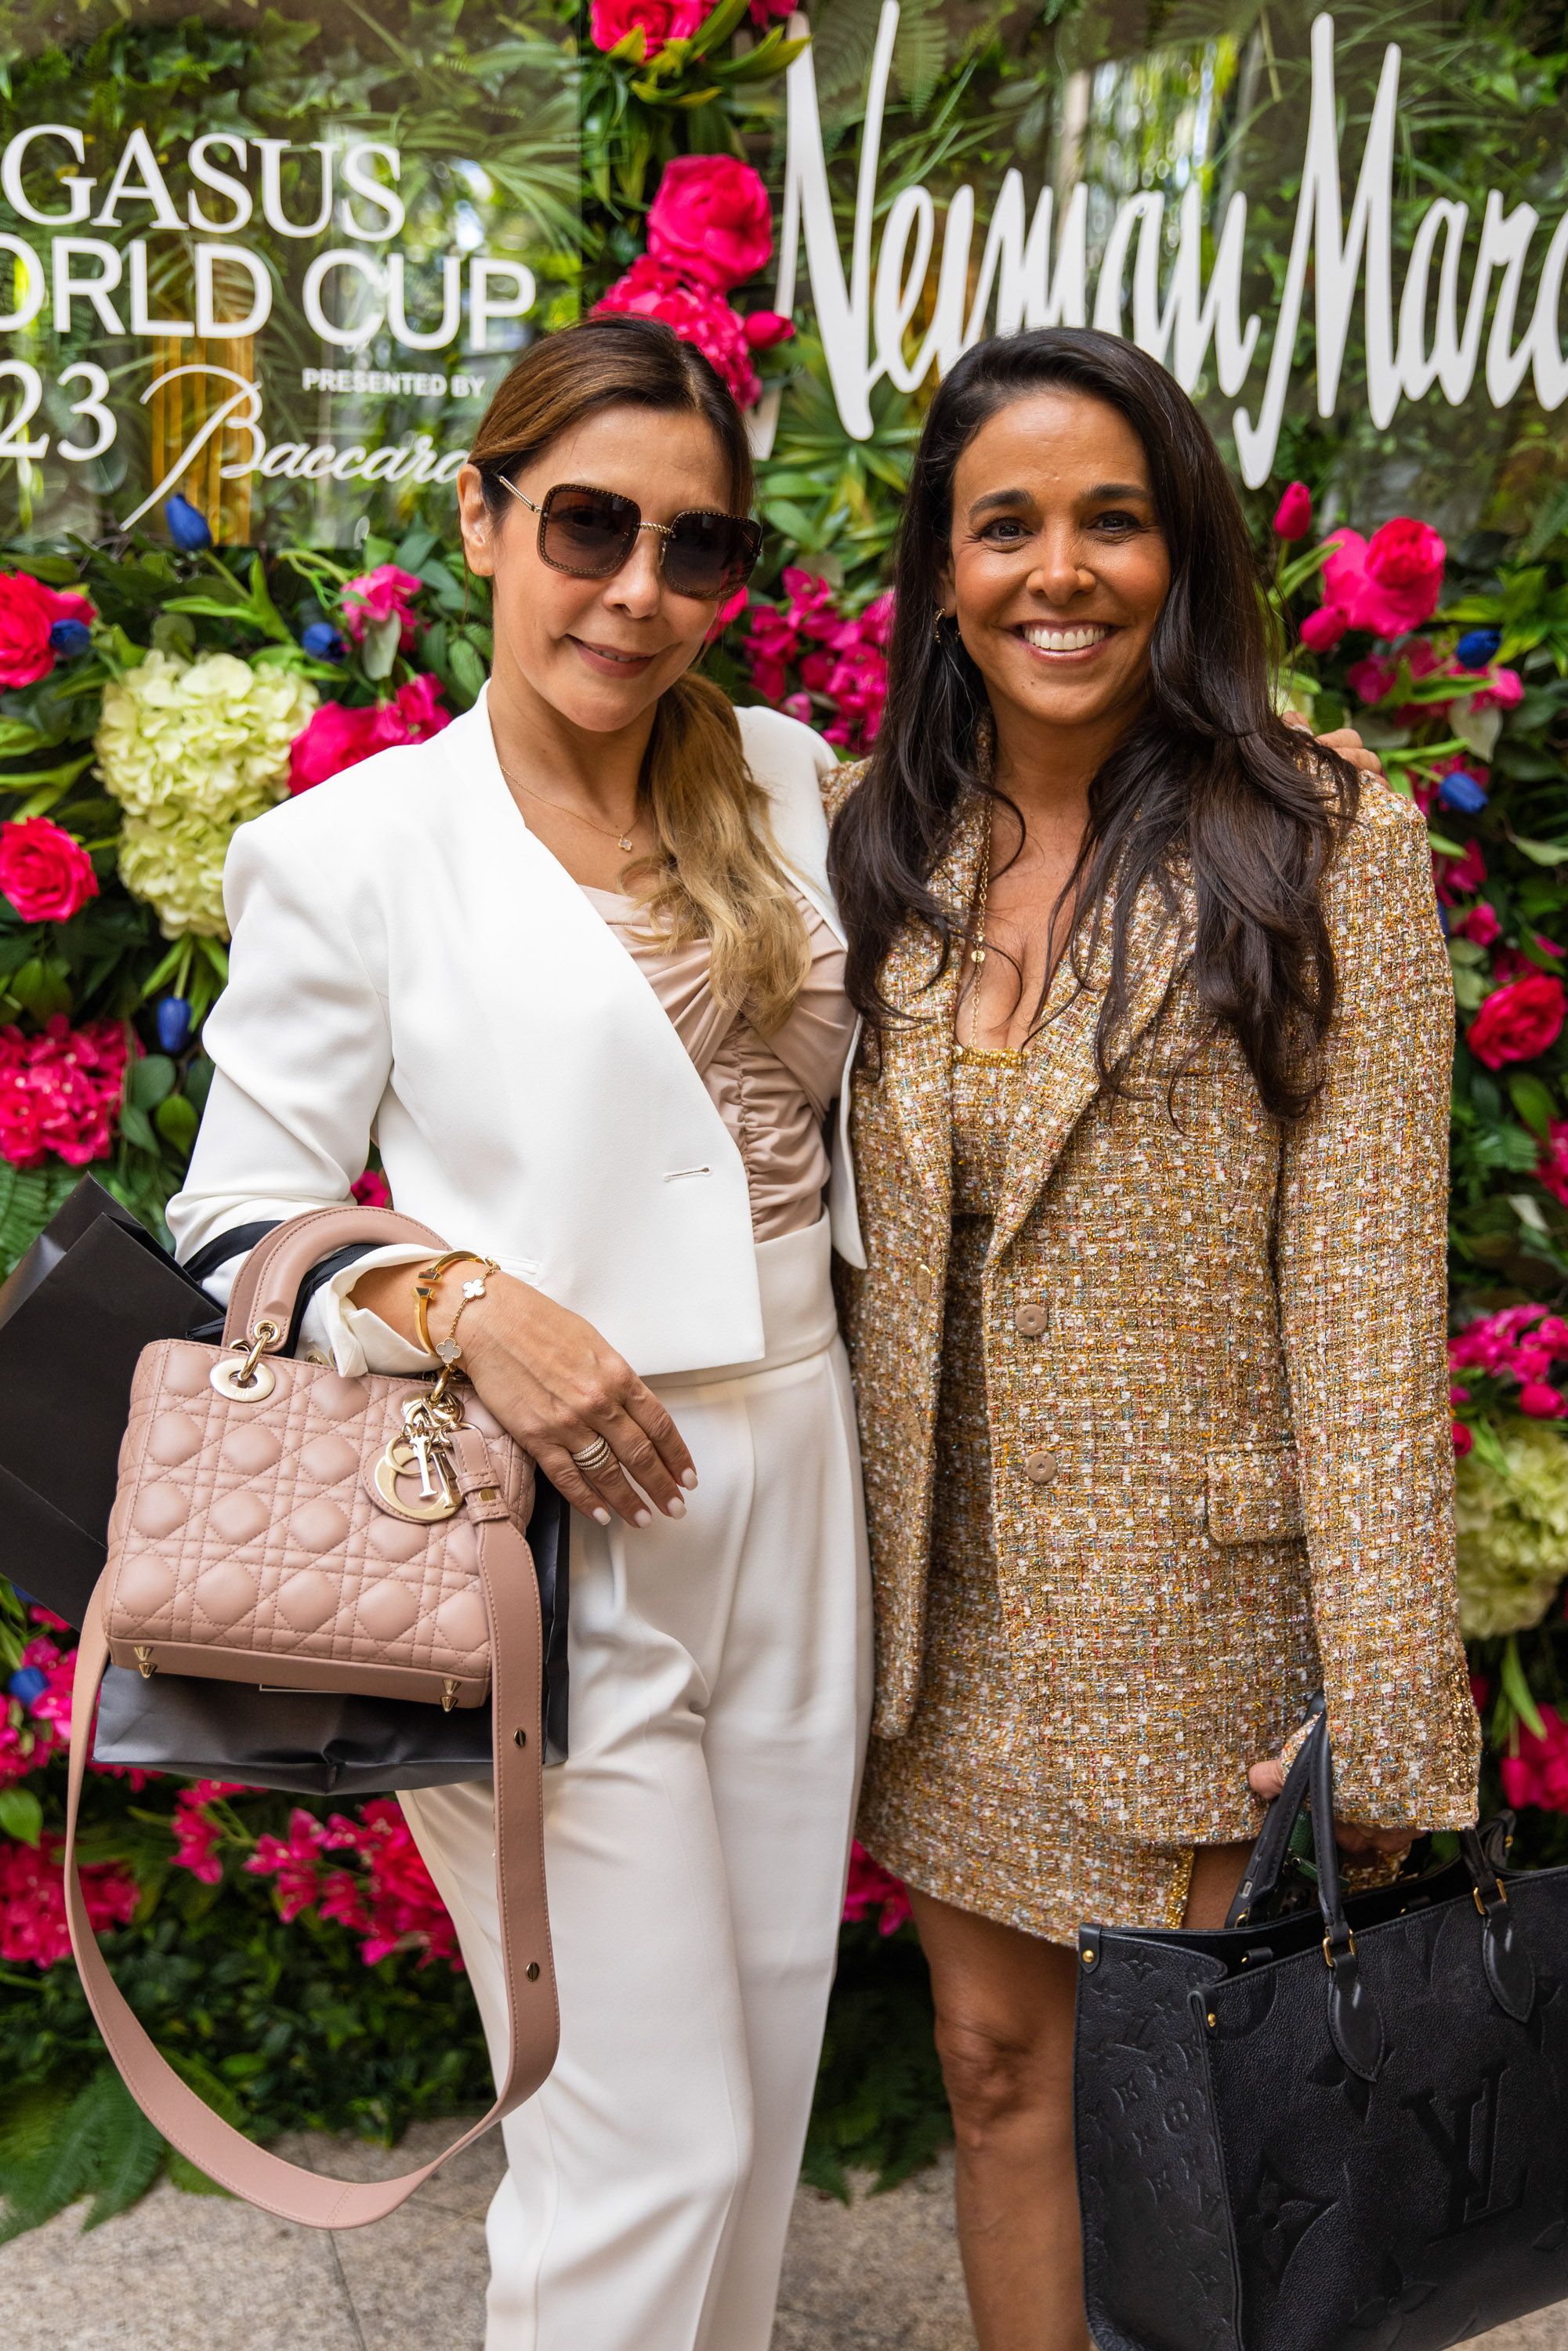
[[623, 840], [977, 950]]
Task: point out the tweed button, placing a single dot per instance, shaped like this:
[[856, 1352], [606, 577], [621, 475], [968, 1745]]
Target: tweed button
[[1030, 1319], [1041, 1467], [925, 1284]]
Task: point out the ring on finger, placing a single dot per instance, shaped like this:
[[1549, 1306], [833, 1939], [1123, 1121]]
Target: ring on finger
[[595, 1457]]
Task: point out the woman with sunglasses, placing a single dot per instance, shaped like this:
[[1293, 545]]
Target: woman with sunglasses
[[574, 967]]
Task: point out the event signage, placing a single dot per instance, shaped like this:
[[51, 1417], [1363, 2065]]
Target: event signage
[[1014, 270]]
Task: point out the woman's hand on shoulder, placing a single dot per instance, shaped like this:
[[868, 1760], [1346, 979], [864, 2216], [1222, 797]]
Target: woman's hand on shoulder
[[1343, 739]]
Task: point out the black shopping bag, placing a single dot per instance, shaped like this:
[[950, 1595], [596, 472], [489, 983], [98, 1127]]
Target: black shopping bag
[[91, 1292]]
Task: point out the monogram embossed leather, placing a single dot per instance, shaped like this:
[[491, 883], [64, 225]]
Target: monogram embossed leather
[[1280, 2154], [278, 1524]]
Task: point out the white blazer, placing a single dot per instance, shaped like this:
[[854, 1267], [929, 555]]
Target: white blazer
[[411, 964]]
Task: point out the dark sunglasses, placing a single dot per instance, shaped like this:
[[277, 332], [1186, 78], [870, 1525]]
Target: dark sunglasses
[[591, 533]]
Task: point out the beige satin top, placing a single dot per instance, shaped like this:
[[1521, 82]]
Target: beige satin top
[[773, 1094]]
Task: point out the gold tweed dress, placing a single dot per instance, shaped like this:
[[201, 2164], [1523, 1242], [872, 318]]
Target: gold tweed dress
[[966, 1806]]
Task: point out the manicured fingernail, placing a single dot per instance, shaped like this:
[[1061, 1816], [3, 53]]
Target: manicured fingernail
[[602, 1517], [688, 1478], [676, 1508], [643, 1519]]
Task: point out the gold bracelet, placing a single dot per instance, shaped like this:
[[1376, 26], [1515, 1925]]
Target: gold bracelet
[[448, 1348], [426, 1283]]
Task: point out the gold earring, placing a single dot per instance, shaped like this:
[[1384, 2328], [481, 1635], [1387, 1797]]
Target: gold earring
[[936, 626]]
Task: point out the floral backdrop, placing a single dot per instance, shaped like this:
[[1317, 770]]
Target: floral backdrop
[[294, 1959]]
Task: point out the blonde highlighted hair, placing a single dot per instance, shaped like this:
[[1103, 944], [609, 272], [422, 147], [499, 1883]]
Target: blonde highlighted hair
[[716, 875]]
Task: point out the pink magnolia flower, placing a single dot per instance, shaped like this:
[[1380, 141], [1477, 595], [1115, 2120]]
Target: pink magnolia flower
[[25, 1746], [293, 1861], [61, 1091], [711, 220], [871, 1887], [1518, 1020], [372, 597], [45, 870], [371, 1189], [1370, 679], [29, 610], [1293, 514], [52, 1703], [857, 688], [1480, 925], [399, 1908], [1538, 1774], [1503, 690], [338, 737], [1540, 1402], [33, 1900], [1321, 630], [610, 21], [1387, 584], [766, 327]]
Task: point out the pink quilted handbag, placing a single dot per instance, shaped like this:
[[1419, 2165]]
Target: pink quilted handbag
[[278, 1524]]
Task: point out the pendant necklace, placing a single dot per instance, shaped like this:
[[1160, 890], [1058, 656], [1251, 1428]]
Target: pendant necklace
[[623, 840]]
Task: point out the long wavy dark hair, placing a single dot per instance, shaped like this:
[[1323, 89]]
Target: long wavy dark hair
[[1208, 774]]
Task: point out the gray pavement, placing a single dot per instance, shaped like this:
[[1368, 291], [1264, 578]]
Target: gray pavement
[[203, 2273]]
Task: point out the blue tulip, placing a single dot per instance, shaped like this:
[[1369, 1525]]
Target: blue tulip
[[187, 525], [173, 1021], [28, 1683], [1477, 646], [323, 640], [69, 638], [1459, 789]]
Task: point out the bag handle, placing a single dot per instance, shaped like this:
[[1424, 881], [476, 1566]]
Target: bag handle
[[267, 1283], [516, 1679], [1267, 1859]]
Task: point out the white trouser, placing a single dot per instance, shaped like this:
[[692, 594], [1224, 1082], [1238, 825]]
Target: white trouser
[[696, 1845]]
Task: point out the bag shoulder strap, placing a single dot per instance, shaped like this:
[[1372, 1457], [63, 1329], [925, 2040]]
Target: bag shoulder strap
[[511, 1604]]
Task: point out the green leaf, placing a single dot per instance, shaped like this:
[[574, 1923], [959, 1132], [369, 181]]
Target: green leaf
[[415, 546], [379, 649], [65, 2168], [21, 1816], [1542, 852], [28, 1198], [137, 1127], [176, 1121], [467, 669], [150, 1079], [1516, 1689], [130, 2156], [1534, 1102], [40, 987], [188, 2177]]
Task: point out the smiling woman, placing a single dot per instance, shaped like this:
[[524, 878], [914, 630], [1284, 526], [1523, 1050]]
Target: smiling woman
[[1149, 1343], [574, 967]]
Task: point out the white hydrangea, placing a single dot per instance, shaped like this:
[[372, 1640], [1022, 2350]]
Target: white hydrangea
[[191, 750], [1513, 1530]]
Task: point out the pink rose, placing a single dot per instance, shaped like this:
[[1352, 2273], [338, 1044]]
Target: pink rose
[[1540, 1402], [1460, 877], [44, 870], [1321, 630], [1389, 584], [372, 597], [338, 737], [1519, 1020], [1293, 514], [871, 1887], [711, 220], [610, 21], [29, 610], [1463, 1440], [1551, 1167], [1537, 1773], [1370, 679], [651, 289], [763, 13], [371, 1189]]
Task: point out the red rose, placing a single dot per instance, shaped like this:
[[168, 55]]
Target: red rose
[[1517, 1022], [44, 873], [711, 220], [29, 610], [610, 21]]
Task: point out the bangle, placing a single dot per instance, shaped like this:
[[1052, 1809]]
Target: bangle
[[426, 1283], [448, 1348]]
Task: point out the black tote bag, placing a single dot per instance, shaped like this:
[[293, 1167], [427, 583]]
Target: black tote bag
[[1341, 2129]]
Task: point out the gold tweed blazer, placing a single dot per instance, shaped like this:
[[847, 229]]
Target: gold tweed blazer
[[1221, 1458]]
